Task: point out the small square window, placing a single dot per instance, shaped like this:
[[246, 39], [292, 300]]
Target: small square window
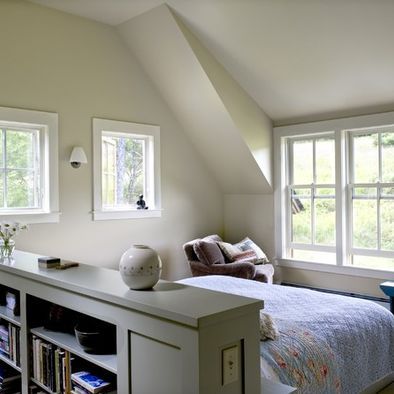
[[28, 166], [126, 167]]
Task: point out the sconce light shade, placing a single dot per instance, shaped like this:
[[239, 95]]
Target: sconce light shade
[[78, 157]]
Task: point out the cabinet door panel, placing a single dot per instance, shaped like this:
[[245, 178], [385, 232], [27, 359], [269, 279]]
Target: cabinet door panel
[[156, 367]]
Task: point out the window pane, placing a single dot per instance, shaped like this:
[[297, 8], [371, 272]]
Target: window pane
[[20, 189], [365, 192], [302, 162], [314, 256], [364, 224], [387, 224], [388, 192], [1, 148], [325, 160], [325, 221], [325, 192], [379, 263], [104, 157], [301, 218], [387, 157], [366, 158], [20, 146], [2, 189], [124, 170]]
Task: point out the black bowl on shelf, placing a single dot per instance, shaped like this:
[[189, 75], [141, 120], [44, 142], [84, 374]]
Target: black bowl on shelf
[[96, 338]]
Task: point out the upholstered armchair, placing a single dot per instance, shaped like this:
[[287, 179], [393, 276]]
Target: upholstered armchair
[[206, 258]]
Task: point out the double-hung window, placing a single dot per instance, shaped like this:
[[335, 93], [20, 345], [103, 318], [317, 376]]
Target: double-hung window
[[371, 197], [311, 198], [334, 197], [126, 170], [28, 166]]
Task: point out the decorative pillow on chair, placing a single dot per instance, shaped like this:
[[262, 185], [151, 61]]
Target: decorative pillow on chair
[[246, 250], [247, 245], [208, 252]]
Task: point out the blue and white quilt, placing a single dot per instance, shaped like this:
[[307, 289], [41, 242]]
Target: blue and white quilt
[[327, 343]]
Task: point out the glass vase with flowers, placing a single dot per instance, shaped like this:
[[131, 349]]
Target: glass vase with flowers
[[7, 244]]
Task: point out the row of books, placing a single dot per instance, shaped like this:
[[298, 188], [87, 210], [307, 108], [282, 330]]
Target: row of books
[[51, 365], [9, 341], [60, 371]]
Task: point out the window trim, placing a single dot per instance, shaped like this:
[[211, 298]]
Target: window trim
[[340, 128], [289, 181], [47, 123], [105, 125], [378, 185]]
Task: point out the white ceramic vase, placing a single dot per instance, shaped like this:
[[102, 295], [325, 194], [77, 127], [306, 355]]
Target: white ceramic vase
[[140, 267]]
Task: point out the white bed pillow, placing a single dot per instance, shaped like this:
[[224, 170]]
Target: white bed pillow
[[268, 329]]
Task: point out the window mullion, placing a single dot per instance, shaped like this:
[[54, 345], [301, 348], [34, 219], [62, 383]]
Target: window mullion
[[313, 193], [378, 224], [379, 192]]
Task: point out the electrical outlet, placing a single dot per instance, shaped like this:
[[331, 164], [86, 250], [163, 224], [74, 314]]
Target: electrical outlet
[[230, 365]]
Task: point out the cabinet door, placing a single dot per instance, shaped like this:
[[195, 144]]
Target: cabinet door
[[156, 367]]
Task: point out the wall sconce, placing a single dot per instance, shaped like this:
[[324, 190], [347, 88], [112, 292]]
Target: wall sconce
[[77, 157]]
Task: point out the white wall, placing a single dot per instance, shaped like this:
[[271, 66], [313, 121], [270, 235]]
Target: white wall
[[53, 61]]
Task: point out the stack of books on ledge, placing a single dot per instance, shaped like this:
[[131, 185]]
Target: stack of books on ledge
[[86, 383]]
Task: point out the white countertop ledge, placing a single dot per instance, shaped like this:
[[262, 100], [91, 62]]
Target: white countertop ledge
[[186, 305]]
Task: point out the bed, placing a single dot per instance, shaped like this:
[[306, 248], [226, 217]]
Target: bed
[[327, 343]]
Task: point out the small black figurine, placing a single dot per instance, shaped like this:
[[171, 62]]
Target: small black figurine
[[141, 203]]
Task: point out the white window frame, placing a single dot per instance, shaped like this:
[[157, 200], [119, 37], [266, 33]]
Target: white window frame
[[312, 187], [379, 185], [47, 124], [152, 135], [340, 128]]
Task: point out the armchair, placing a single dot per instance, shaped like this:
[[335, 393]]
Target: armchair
[[209, 260]]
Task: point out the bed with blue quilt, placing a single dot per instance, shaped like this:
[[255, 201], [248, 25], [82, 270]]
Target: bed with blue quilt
[[326, 343]]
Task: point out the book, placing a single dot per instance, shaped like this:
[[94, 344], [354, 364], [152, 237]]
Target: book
[[78, 389], [48, 262], [90, 382]]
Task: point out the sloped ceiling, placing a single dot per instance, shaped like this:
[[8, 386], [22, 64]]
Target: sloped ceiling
[[300, 60], [229, 129]]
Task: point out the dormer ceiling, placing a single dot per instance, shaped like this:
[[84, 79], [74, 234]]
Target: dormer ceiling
[[299, 60]]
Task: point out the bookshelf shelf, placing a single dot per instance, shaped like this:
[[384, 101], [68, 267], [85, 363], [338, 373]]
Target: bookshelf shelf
[[69, 342], [9, 362], [39, 384], [6, 314]]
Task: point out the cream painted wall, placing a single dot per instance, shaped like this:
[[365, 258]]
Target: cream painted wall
[[253, 124], [53, 61], [250, 215], [171, 63], [326, 280]]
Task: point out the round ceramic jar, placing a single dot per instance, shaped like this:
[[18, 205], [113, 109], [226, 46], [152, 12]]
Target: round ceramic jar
[[140, 267]]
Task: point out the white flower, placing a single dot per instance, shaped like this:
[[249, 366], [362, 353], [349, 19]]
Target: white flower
[[8, 230]]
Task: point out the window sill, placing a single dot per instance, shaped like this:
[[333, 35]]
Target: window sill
[[335, 269], [30, 217], [133, 214]]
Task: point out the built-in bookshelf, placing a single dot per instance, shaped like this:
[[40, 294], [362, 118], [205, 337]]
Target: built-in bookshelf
[[10, 327], [176, 331], [56, 353]]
